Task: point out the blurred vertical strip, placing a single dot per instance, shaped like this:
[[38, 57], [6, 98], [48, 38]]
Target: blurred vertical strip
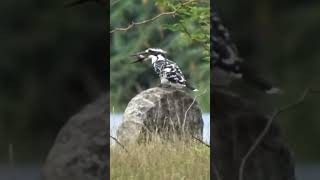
[[108, 4], [213, 168]]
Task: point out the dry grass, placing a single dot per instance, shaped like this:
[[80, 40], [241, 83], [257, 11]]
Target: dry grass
[[159, 160]]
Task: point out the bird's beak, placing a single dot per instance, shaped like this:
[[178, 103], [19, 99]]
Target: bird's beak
[[140, 57]]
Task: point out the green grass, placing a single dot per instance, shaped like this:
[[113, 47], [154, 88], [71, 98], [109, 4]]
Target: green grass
[[158, 160]]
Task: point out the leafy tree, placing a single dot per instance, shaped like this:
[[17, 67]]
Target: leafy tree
[[181, 28]]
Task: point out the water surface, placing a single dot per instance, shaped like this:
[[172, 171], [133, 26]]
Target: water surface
[[116, 118]]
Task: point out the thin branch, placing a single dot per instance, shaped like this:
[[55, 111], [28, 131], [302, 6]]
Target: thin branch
[[274, 115], [172, 13], [143, 22], [202, 142], [116, 140], [185, 114]]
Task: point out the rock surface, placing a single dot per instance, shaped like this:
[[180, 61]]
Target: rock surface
[[161, 110], [80, 149], [236, 125]]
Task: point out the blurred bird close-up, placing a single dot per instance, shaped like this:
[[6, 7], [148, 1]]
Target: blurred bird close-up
[[80, 2], [228, 64]]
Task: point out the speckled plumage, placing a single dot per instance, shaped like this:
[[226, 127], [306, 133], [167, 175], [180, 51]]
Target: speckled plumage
[[168, 71]]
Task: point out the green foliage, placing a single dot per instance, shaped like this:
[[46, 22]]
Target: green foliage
[[187, 46], [193, 21]]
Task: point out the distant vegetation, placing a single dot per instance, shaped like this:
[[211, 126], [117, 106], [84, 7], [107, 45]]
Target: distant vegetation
[[185, 35]]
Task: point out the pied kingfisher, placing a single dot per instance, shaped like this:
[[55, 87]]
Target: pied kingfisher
[[168, 71], [226, 58]]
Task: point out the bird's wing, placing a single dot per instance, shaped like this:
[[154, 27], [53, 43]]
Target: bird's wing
[[158, 66], [172, 72]]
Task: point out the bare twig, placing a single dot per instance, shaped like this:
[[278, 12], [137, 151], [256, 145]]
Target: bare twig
[[202, 142], [172, 13], [116, 140], [274, 115], [185, 114], [143, 22]]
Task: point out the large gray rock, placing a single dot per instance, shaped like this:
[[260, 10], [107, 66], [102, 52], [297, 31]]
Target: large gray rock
[[80, 149], [162, 110], [236, 125]]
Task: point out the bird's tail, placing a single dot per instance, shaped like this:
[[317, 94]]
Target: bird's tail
[[189, 86]]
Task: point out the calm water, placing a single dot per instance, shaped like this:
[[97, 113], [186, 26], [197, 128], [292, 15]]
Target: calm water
[[115, 121]]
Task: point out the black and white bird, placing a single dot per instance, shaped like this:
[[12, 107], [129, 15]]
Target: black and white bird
[[226, 58], [168, 71]]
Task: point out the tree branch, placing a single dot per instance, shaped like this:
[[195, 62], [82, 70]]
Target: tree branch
[[116, 140], [274, 115], [202, 142], [172, 13], [185, 114]]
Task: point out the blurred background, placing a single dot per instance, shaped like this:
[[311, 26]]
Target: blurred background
[[53, 61], [281, 39], [126, 79], [184, 36]]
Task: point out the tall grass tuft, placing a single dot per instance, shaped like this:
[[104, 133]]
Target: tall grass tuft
[[158, 159]]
